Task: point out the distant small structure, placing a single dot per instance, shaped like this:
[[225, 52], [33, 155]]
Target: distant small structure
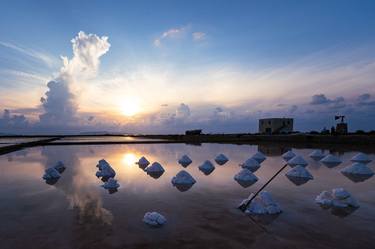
[[341, 127], [193, 132], [275, 125]]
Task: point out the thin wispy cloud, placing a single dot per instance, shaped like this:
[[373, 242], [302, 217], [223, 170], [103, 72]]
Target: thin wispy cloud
[[169, 34], [47, 59], [199, 36]]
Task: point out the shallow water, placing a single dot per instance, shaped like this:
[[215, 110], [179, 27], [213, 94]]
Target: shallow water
[[77, 213]]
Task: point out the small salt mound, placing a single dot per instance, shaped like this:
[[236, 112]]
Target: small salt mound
[[245, 178], [111, 184], [297, 160], [185, 161], [207, 167], [221, 159], [300, 172], [154, 219], [357, 172], [102, 164], [361, 158], [338, 198], [251, 164], [155, 170], [105, 170], [183, 178], [259, 156], [316, 155], [51, 173], [358, 169], [331, 161], [60, 167], [143, 162], [288, 155], [263, 204]]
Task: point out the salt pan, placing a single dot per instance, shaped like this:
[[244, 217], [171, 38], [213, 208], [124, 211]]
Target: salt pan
[[361, 158], [207, 167], [288, 155], [251, 164], [259, 156], [154, 219], [297, 160], [316, 155], [221, 159], [185, 161], [245, 178], [331, 161]]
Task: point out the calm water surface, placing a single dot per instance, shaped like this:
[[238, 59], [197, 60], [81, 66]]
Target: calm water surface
[[77, 213]]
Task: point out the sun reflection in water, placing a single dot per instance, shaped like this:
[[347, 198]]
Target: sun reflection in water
[[129, 159]]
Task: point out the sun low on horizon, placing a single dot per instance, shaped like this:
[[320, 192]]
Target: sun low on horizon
[[130, 107]]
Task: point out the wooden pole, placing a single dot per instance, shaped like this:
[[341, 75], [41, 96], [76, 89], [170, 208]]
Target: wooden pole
[[244, 206]]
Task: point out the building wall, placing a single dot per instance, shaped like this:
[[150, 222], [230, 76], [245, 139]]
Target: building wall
[[275, 125]]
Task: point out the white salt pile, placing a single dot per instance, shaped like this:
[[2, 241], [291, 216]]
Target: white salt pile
[[183, 178], [316, 155], [358, 169], [251, 164], [111, 184], [262, 204], [221, 159], [185, 161], [60, 167], [331, 161], [245, 178], [207, 167], [361, 158], [154, 219], [300, 172], [288, 155], [337, 198], [259, 156], [297, 160], [299, 175], [143, 162], [51, 173], [155, 170], [105, 170]]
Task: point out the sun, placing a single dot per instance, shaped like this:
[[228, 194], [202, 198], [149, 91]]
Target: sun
[[130, 107]]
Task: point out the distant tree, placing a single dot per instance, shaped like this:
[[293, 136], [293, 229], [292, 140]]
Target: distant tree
[[333, 131], [360, 132], [314, 132]]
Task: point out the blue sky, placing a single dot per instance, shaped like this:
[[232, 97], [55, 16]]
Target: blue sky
[[250, 59]]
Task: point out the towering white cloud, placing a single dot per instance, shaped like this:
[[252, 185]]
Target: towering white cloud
[[60, 104]]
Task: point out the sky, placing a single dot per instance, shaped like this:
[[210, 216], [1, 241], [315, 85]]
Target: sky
[[168, 66]]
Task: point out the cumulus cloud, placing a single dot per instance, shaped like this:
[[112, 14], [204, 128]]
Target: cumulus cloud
[[12, 121], [183, 111], [60, 104], [321, 99], [199, 36], [293, 108], [365, 100]]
